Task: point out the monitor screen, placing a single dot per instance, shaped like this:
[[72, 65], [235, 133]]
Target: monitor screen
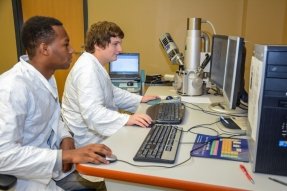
[[126, 63], [218, 59], [233, 75]]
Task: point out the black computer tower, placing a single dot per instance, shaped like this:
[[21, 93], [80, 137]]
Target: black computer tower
[[267, 109]]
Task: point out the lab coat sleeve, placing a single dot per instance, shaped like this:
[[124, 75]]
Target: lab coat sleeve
[[91, 100], [63, 132], [25, 162], [126, 100]]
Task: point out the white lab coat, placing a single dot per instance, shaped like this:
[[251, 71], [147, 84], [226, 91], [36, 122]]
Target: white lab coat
[[90, 102], [30, 129]]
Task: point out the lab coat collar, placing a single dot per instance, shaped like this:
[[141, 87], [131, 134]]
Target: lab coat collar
[[97, 62], [49, 84]]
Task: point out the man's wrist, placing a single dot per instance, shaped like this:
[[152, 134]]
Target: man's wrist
[[66, 156]]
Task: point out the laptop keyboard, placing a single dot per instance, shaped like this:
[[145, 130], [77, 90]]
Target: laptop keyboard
[[124, 76]]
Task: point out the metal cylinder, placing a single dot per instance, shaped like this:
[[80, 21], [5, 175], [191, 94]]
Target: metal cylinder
[[192, 54], [194, 23], [193, 44]]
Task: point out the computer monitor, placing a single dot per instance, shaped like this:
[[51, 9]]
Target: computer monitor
[[233, 77], [218, 60], [234, 71]]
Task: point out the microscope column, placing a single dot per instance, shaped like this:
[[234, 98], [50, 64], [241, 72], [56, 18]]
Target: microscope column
[[192, 55]]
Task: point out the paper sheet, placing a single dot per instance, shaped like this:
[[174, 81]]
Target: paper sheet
[[255, 91]]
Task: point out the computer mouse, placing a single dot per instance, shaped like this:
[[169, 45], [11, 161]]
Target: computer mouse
[[130, 83], [169, 97], [111, 158]]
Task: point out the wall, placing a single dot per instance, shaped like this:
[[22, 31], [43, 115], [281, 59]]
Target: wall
[[145, 21], [258, 21], [264, 24], [8, 50], [74, 26]]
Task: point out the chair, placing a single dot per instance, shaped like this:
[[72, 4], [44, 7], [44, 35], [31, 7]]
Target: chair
[[7, 181]]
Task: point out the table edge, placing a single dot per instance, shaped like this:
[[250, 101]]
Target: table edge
[[149, 179]]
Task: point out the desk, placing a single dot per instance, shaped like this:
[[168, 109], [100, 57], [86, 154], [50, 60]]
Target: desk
[[196, 174]]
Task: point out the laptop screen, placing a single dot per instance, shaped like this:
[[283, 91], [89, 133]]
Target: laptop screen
[[126, 64]]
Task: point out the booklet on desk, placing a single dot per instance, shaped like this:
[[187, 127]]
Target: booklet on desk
[[220, 148]]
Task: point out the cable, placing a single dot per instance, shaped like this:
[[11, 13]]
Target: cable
[[243, 105], [219, 136], [198, 126], [215, 92], [203, 126], [173, 166], [230, 133], [161, 166], [207, 21], [216, 132], [214, 113]]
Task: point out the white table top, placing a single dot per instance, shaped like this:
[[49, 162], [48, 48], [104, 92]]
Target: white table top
[[213, 173]]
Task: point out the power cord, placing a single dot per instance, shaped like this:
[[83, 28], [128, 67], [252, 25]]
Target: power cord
[[207, 21], [198, 108], [160, 166]]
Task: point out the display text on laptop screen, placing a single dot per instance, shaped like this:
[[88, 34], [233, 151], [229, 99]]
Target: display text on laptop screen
[[127, 64]]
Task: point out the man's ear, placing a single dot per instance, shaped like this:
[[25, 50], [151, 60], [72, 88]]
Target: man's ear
[[44, 49], [97, 48]]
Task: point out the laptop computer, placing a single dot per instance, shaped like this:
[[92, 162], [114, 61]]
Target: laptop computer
[[126, 67]]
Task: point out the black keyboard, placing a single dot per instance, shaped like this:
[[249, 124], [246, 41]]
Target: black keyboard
[[160, 144], [167, 113]]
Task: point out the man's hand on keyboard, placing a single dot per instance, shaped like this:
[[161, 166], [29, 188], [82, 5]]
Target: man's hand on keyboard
[[148, 98], [142, 120]]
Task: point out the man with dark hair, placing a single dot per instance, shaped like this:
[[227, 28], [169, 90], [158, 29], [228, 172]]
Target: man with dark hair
[[91, 102], [35, 145]]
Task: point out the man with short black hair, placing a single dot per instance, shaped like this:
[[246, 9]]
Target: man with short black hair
[[35, 145]]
